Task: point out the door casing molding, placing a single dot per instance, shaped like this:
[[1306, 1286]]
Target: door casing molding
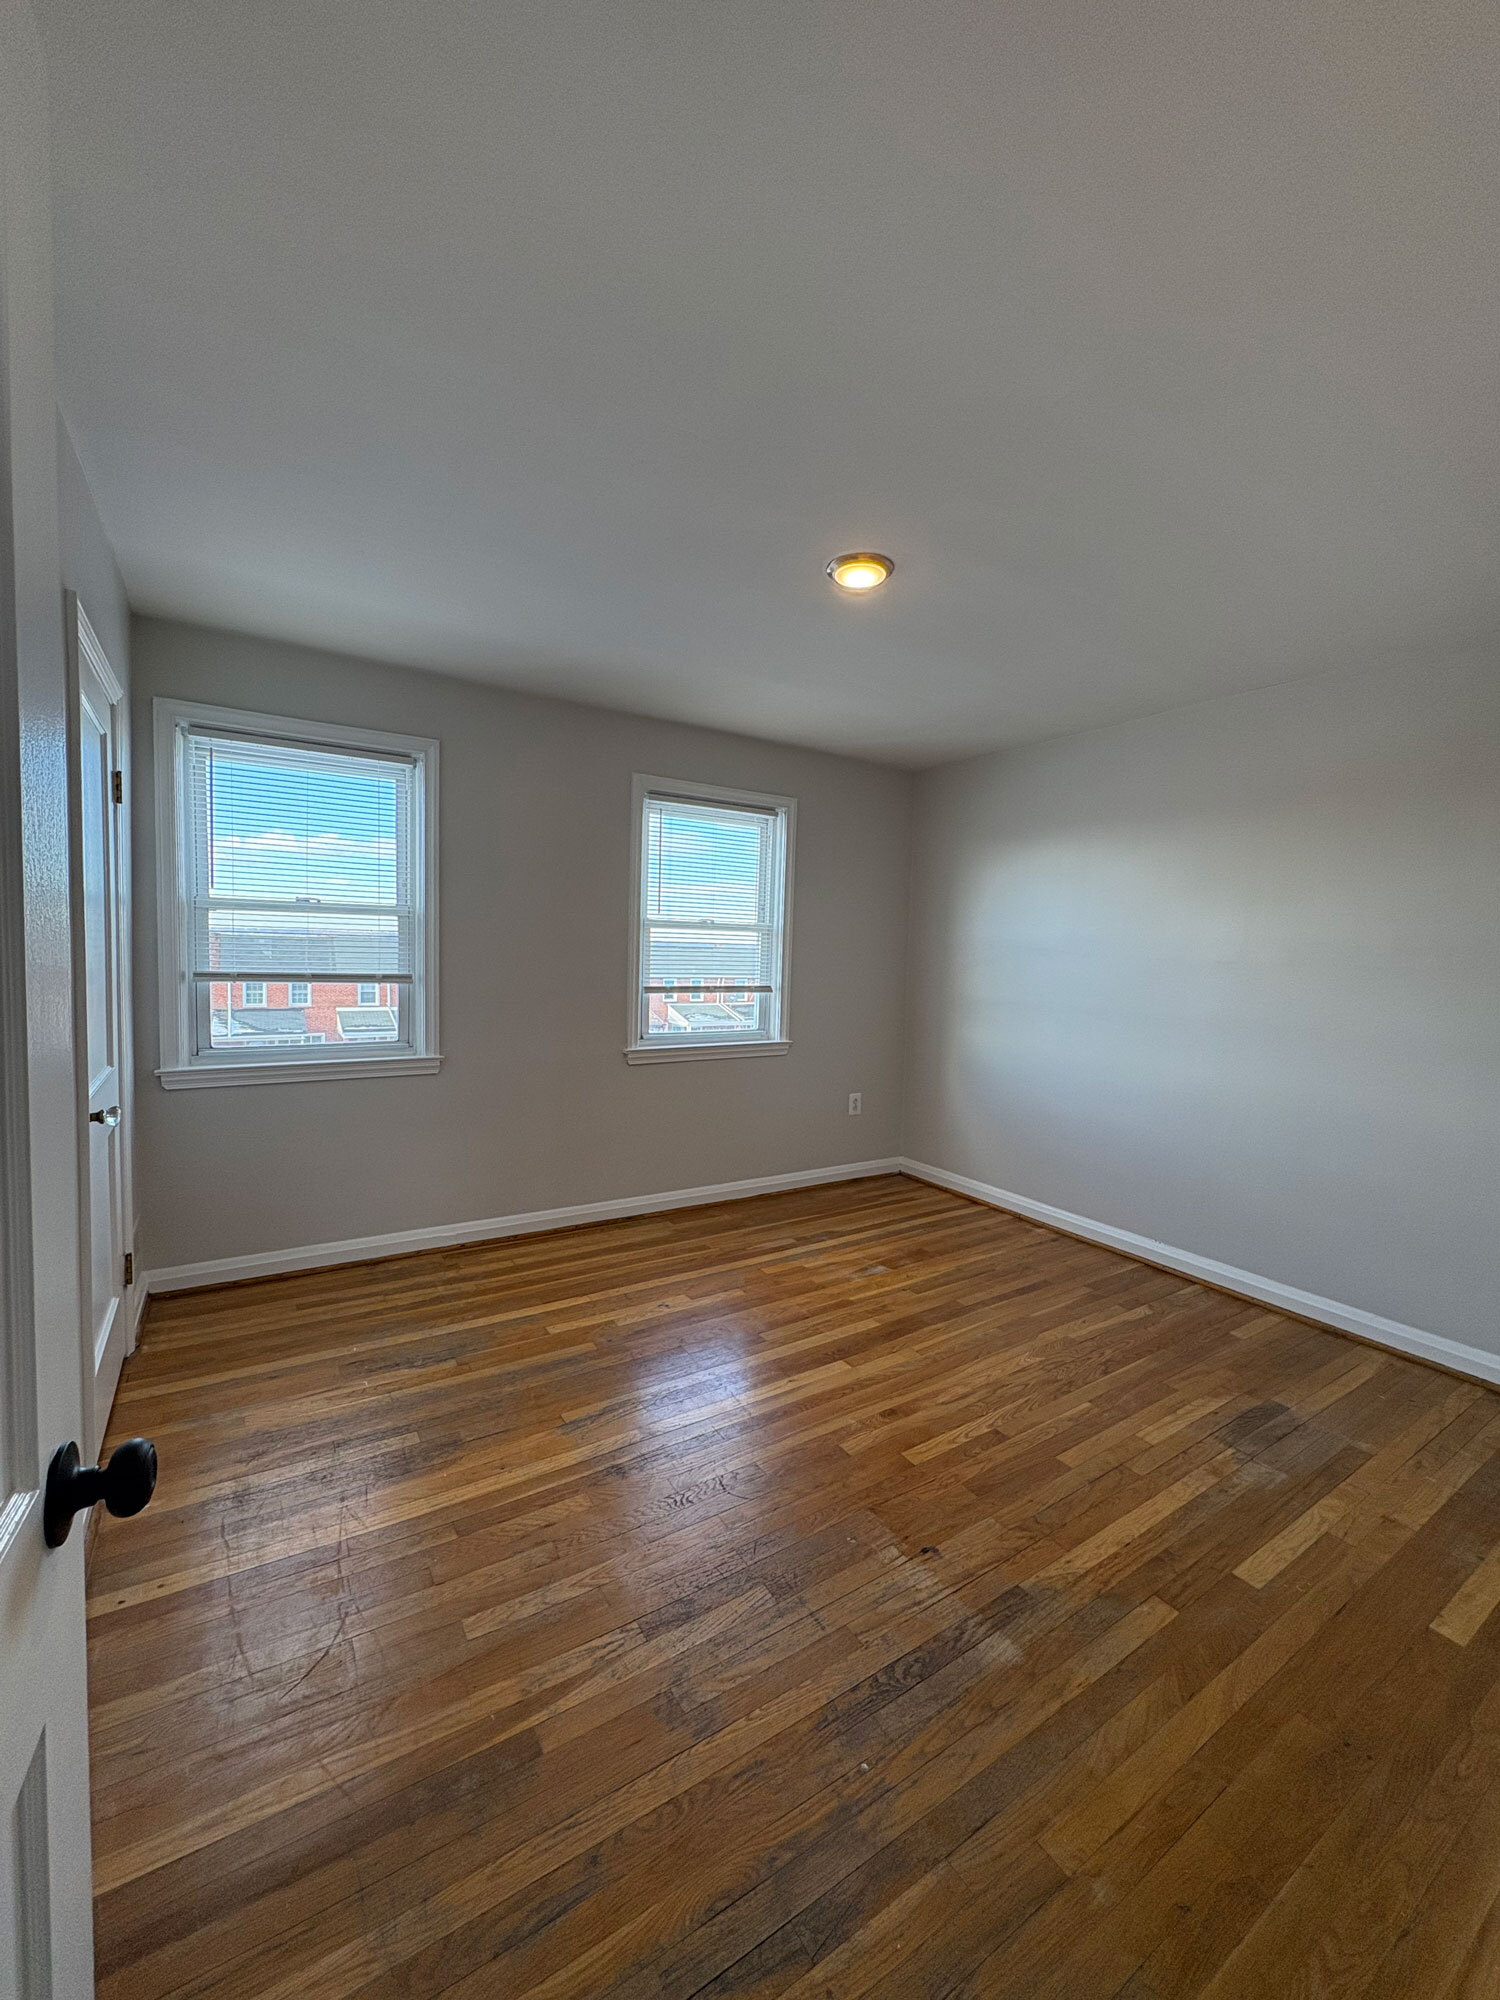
[[84, 645]]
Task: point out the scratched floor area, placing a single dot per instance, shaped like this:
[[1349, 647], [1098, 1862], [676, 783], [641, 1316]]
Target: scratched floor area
[[854, 1592]]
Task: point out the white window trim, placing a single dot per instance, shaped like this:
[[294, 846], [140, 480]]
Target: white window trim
[[705, 1049], [180, 1068]]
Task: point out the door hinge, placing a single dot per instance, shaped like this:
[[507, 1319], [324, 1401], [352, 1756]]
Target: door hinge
[[117, 787], [129, 1268]]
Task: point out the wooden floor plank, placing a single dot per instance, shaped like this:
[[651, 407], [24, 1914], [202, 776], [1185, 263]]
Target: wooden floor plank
[[851, 1592]]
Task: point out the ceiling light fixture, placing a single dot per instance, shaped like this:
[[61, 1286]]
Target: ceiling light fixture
[[860, 571]]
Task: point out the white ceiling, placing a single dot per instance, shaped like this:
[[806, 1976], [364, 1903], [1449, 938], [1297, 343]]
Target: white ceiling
[[562, 342]]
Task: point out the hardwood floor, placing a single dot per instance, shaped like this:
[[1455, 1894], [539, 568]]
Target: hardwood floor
[[851, 1592]]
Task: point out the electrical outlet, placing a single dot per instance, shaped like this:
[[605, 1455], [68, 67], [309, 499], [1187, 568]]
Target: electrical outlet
[[856, 1103]]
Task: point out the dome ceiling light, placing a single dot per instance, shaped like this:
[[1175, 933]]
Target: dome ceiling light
[[860, 571]]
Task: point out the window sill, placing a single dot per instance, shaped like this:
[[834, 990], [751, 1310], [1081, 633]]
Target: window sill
[[213, 1076], [706, 1051]]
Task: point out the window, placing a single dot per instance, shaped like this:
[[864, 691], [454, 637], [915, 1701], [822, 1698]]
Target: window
[[301, 856], [369, 996], [712, 888]]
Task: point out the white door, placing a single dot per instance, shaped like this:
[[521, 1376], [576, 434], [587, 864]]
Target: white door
[[46, 1943], [102, 962]]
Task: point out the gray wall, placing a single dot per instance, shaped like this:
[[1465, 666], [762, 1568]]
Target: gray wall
[[88, 561], [1230, 977], [535, 1106]]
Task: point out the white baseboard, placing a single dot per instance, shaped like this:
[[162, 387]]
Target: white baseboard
[[360, 1249], [1436, 1347]]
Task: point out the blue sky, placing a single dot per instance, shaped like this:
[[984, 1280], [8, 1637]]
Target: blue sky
[[280, 833], [698, 866]]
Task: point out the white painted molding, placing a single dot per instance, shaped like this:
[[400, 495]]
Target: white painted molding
[[1436, 1347], [360, 1249], [1388, 1333], [214, 1075], [707, 1052], [139, 1292]]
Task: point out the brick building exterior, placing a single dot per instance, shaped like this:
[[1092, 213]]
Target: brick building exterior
[[270, 1013]]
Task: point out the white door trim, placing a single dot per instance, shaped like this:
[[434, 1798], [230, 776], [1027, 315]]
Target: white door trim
[[100, 1371]]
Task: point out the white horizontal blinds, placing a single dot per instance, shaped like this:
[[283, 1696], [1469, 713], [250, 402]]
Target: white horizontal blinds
[[711, 915], [301, 861]]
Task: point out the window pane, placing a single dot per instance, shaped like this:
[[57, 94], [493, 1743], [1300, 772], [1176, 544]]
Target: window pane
[[711, 891], [721, 957], [287, 824], [706, 863], [301, 860], [263, 1014], [723, 1015]]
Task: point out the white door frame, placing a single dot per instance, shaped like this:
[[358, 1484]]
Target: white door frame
[[86, 657]]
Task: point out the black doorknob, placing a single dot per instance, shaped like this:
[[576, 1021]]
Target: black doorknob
[[124, 1485]]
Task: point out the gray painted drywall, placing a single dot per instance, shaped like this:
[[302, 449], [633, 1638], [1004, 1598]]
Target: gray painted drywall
[[561, 343], [88, 561], [535, 1106], [1230, 977]]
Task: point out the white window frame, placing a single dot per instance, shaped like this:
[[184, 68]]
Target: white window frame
[[245, 986], [296, 986], [705, 1048], [184, 1066]]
